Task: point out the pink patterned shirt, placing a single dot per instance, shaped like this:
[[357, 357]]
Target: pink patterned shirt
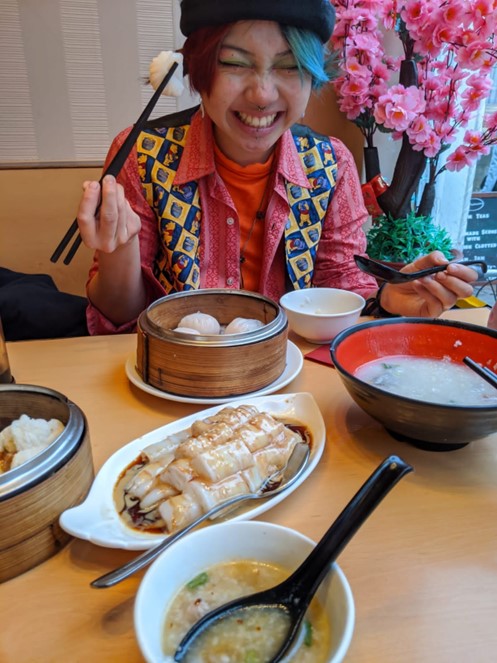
[[341, 238]]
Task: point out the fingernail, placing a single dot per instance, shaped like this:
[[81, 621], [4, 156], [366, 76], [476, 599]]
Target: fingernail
[[93, 185]]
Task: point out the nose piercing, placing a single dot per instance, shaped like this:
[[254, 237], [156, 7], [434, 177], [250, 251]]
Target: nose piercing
[[261, 108]]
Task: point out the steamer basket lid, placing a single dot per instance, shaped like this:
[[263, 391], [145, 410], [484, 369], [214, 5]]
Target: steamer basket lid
[[36, 469]]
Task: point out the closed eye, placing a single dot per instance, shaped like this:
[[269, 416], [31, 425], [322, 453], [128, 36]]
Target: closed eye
[[291, 69], [233, 65]]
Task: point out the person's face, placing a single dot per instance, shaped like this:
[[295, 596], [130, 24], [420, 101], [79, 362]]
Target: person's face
[[256, 69]]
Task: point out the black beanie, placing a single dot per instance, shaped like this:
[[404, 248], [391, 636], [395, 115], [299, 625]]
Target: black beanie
[[315, 15]]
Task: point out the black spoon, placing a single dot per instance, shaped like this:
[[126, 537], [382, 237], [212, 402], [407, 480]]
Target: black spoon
[[293, 595], [392, 275]]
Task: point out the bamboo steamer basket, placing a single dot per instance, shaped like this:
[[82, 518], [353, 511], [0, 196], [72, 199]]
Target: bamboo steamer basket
[[211, 366], [33, 495]]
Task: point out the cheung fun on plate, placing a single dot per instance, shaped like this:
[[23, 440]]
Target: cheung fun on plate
[[196, 482]]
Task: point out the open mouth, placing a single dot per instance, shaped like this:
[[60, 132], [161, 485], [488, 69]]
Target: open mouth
[[257, 122]]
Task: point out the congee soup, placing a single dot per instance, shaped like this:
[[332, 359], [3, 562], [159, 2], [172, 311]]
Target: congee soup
[[254, 639], [440, 381]]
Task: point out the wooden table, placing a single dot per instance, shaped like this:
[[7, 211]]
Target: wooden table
[[423, 569]]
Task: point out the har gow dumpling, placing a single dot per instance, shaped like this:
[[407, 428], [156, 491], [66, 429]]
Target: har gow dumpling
[[186, 330], [202, 323], [243, 325]]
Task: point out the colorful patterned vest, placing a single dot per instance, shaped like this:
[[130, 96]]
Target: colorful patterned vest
[[179, 212]]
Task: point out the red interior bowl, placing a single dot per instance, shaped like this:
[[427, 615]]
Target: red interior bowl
[[429, 425]]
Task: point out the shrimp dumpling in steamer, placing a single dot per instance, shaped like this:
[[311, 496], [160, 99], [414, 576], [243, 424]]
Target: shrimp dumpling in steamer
[[203, 323], [186, 330], [243, 325]]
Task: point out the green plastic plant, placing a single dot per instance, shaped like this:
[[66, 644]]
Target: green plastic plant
[[405, 239]]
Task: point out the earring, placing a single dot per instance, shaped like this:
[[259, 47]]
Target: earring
[[202, 109]]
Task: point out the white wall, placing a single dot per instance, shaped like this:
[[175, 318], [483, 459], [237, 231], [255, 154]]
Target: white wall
[[73, 72]]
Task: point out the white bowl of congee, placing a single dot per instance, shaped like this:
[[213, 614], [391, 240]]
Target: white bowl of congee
[[409, 374], [214, 565]]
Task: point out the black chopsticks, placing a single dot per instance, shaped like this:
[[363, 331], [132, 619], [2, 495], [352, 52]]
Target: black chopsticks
[[114, 168], [482, 371]]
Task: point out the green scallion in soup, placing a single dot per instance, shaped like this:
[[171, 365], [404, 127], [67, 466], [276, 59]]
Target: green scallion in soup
[[253, 639]]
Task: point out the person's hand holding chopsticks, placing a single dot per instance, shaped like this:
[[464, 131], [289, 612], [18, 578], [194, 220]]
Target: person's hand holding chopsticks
[[172, 60], [111, 225]]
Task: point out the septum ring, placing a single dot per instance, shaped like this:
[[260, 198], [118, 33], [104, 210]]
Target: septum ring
[[261, 108]]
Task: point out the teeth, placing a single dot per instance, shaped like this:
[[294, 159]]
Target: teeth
[[257, 122]]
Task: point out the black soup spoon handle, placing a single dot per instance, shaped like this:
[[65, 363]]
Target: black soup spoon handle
[[385, 272], [301, 586], [303, 582], [295, 593]]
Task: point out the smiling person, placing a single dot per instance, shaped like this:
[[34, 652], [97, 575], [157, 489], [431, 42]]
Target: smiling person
[[237, 193]]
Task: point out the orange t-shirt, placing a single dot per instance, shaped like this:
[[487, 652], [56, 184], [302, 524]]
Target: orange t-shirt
[[249, 189]]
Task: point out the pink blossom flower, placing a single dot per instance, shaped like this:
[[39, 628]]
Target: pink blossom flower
[[413, 13], [474, 141], [476, 56], [458, 159], [452, 42], [419, 130], [453, 12], [430, 146], [399, 106], [356, 87], [490, 120], [354, 68]]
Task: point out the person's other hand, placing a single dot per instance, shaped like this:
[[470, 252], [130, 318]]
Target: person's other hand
[[114, 224], [430, 296]]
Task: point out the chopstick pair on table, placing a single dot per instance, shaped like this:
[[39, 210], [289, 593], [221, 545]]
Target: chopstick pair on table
[[114, 168]]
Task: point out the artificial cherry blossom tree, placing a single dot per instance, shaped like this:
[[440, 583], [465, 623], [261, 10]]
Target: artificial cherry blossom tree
[[426, 97]]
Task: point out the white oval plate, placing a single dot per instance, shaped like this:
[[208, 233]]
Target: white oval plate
[[294, 363], [96, 519]]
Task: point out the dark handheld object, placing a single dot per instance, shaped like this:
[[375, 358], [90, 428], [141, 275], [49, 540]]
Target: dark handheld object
[[114, 168], [482, 371], [294, 594], [392, 275]]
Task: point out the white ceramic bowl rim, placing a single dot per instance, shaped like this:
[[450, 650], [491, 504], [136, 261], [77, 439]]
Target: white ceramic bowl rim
[[149, 620], [291, 302]]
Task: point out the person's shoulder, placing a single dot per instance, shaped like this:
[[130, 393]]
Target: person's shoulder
[[341, 150], [303, 135], [304, 131]]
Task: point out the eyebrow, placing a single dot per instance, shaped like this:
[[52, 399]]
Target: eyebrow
[[249, 53]]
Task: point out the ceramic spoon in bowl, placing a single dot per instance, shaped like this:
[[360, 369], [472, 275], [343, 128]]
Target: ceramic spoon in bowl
[[291, 598], [392, 275]]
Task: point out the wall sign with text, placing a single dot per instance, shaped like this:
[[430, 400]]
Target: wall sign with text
[[480, 241]]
